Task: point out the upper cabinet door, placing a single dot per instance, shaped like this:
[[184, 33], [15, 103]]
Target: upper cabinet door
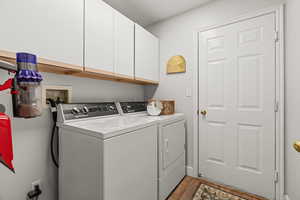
[[124, 45], [146, 55], [50, 29], [99, 36]]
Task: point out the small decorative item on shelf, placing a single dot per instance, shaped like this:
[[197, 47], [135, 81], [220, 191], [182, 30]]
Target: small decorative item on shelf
[[168, 107], [154, 107], [176, 64]]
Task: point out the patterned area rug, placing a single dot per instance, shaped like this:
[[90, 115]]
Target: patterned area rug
[[206, 192]]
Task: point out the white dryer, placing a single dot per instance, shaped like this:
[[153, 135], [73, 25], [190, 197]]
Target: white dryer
[[171, 145], [106, 156]]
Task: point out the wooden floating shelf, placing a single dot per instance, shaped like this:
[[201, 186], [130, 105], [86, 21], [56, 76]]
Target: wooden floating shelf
[[45, 65]]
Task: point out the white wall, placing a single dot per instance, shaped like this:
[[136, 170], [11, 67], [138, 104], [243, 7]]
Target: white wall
[[31, 137], [176, 37]]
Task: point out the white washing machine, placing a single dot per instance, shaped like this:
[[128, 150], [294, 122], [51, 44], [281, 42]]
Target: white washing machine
[[106, 156], [171, 145]]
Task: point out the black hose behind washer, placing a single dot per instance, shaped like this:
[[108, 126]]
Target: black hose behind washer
[[54, 131], [54, 128]]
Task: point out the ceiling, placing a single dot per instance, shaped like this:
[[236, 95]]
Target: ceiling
[[146, 12]]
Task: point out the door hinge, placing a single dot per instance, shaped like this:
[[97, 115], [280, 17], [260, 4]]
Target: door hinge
[[276, 36], [276, 177], [276, 106]]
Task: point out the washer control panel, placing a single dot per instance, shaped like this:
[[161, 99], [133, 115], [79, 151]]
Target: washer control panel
[[85, 110], [132, 107]]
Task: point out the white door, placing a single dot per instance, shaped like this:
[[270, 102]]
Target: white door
[[146, 55], [124, 45], [237, 90], [99, 36]]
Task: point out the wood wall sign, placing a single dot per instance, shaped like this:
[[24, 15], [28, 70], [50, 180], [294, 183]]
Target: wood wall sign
[[176, 64]]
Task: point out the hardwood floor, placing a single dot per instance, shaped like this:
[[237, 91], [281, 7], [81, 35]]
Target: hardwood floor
[[189, 186]]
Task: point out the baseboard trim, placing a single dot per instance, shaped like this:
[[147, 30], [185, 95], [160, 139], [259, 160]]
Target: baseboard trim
[[286, 197], [189, 171]]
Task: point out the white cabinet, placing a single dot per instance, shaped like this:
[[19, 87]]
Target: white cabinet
[[50, 29], [86, 33], [99, 36], [146, 55], [124, 45]]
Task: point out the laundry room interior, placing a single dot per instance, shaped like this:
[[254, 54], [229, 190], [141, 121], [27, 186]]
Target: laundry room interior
[[149, 100]]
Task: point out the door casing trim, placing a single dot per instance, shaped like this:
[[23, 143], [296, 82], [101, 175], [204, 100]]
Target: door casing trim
[[279, 12]]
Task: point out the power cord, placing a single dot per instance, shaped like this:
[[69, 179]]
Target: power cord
[[36, 198], [34, 194]]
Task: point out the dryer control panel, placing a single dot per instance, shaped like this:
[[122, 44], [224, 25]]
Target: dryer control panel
[[86, 110], [132, 107]]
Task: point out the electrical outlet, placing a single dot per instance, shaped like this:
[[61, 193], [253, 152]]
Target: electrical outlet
[[35, 183]]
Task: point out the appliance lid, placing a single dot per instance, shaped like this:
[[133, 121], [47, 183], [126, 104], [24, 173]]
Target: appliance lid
[[108, 127]]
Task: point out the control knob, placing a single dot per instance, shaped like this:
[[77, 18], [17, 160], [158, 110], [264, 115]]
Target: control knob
[[75, 111], [85, 110], [111, 108]]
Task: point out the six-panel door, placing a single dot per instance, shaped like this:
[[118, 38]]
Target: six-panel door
[[237, 89]]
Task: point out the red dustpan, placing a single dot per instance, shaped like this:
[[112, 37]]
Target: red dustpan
[[6, 147]]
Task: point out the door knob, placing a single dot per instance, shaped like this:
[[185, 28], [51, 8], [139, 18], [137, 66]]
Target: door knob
[[297, 146], [203, 112]]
